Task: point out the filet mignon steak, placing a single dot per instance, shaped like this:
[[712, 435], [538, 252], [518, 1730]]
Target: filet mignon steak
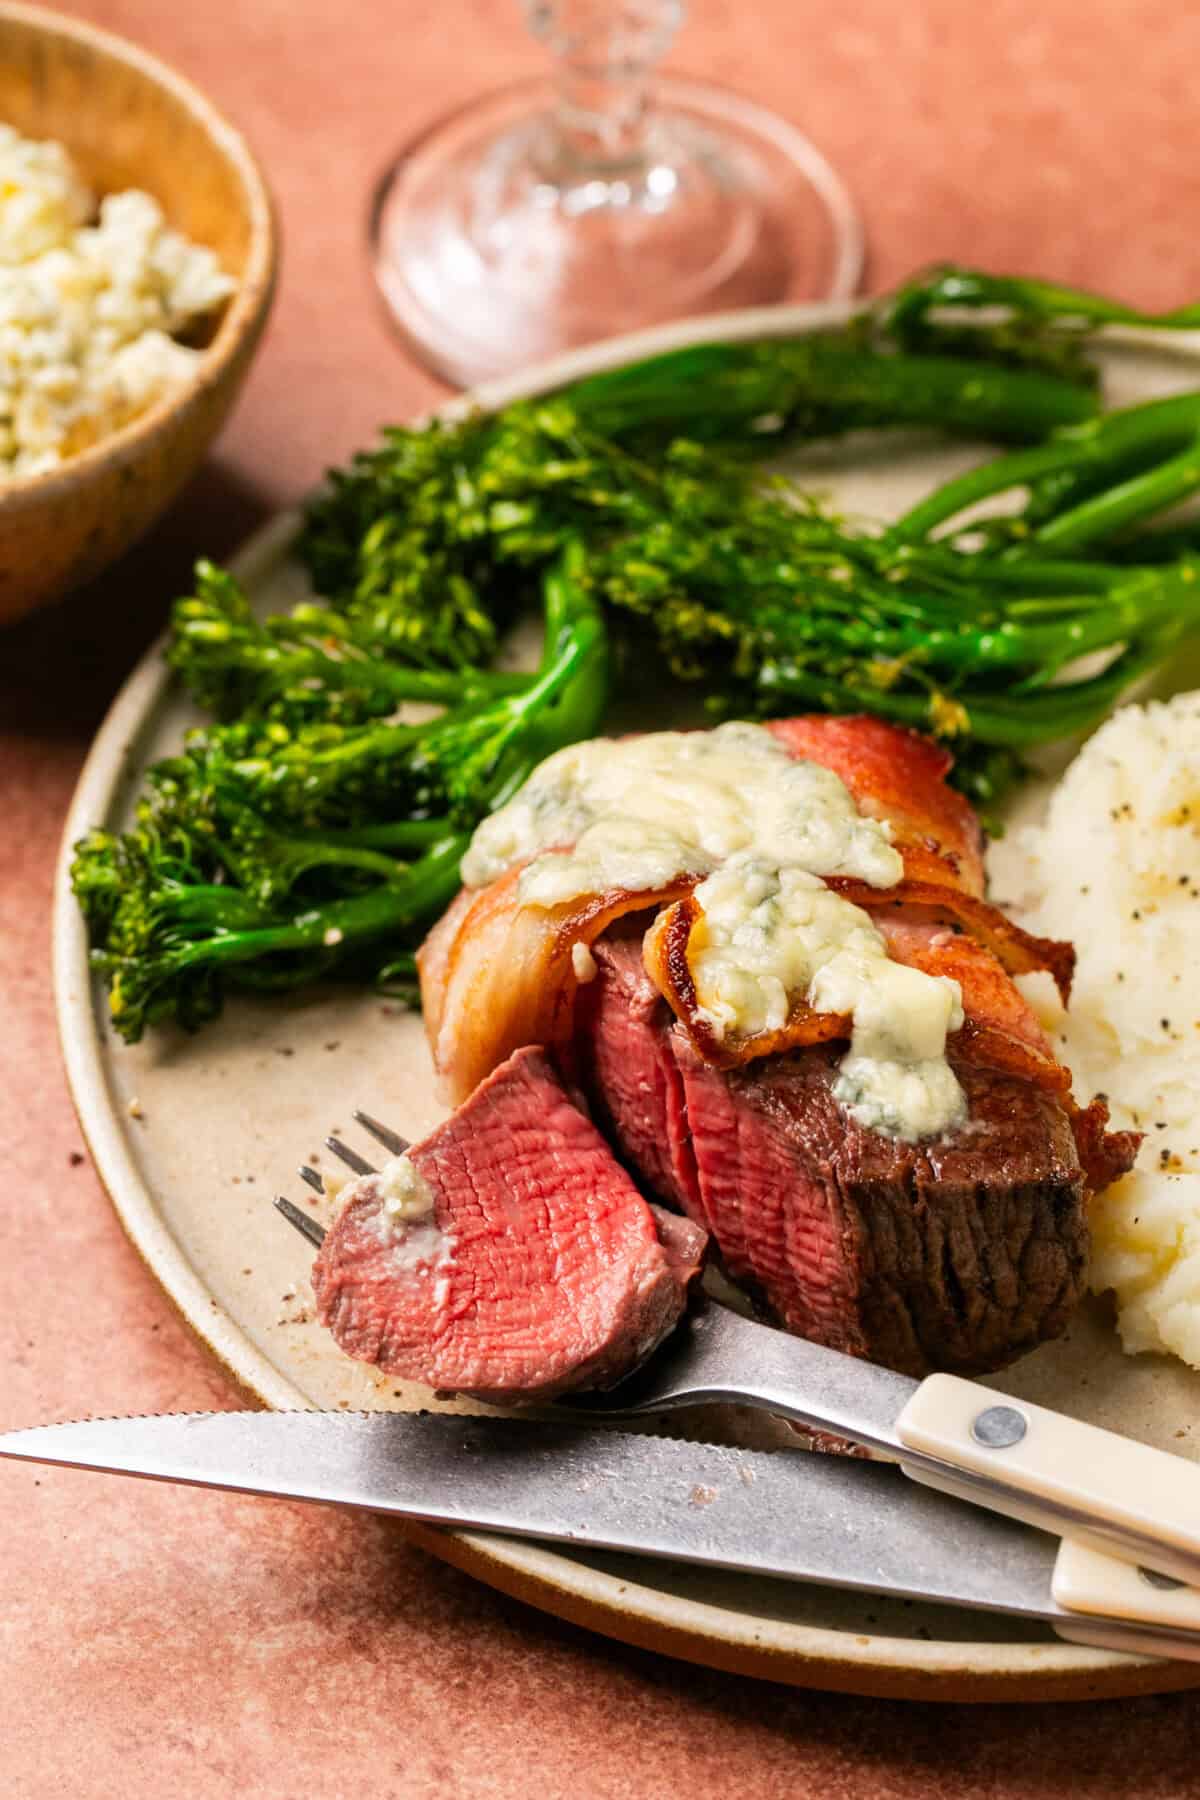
[[540, 1268], [956, 1255]]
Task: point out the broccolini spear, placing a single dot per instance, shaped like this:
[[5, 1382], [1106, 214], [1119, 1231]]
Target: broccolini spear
[[931, 304], [1000, 357], [320, 662], [758, 396], [1087, 482], [456, 507], [235, 873], [773, 603]]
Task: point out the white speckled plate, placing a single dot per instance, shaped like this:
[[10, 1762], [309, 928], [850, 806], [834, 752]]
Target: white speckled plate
[[193, 1136]]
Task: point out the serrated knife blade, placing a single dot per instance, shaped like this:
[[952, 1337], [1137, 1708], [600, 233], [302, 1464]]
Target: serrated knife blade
[[834, 1521]]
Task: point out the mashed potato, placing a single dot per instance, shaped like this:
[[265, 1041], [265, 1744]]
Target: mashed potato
[[1116, 868], [1147, 1250], [88, 312]]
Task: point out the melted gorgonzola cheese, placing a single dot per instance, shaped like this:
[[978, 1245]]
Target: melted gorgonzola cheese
[[763, 828], [404, 1192], [636, 812], [406, 1217]]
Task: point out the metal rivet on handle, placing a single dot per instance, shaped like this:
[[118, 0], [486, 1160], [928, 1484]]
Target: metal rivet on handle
[[1152, 1578], [999, 1427]]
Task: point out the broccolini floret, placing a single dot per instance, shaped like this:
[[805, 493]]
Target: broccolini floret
[[268, 853]]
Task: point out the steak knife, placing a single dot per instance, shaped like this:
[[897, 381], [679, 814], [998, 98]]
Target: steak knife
[[1118, 1501], [838, 1522]]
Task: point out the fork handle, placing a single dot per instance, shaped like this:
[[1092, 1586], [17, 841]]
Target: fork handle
[[1111, 1495]]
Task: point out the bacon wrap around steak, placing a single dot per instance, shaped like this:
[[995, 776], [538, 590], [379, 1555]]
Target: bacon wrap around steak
[[898, 775], [496, 974], [1000, 1028]]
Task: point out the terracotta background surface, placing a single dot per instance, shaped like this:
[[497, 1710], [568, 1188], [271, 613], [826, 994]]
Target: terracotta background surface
[[157, 1640]]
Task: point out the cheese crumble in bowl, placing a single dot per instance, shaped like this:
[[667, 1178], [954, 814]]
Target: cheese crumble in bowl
[[94, 298], [137, 259]]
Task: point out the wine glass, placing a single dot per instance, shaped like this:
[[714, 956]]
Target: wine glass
[[554, 213]]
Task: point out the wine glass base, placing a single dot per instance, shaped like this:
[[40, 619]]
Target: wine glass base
[[492, 250]]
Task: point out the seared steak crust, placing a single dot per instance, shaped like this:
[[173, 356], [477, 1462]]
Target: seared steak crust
[[959, 1255]]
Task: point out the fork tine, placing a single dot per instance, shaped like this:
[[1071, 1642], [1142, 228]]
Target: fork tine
[[307, 1226], [391, 1140], [350, 1157], [313, 1179]]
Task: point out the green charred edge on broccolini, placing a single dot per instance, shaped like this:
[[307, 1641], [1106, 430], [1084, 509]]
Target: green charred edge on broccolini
[[271, 853], [310, 832]]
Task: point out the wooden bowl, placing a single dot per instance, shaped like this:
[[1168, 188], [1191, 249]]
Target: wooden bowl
[[129, 121]]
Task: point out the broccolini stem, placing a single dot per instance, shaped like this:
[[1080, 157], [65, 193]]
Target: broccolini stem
[[566, 700], [971, 649], [1108, 444], [1140, 497], [1016, 721], [1043, 300], [209, 645], [232, 662], [207, 906], [399, 835], [821, 384], [425, 889]]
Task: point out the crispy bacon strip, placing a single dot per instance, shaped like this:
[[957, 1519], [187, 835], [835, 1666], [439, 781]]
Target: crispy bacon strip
[[665, 954], [1103, 1155], [897, 775], [496, 975], [1015, 950], [1000, 1030]]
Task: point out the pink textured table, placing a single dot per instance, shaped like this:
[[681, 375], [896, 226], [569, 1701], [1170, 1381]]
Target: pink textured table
[[154, 1640]]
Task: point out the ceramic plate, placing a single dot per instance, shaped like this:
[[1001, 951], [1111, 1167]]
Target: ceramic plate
[[194, 1135]]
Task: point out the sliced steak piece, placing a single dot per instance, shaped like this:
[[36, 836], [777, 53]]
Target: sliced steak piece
[[626, 1062], [958, 1254], [540, 1267]]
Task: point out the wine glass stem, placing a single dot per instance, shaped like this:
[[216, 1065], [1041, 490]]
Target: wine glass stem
[[606, 52], [601, 118]]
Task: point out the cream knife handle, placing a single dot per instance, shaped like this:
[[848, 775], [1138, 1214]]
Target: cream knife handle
[[1111, 1494], [1101, 1587]]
